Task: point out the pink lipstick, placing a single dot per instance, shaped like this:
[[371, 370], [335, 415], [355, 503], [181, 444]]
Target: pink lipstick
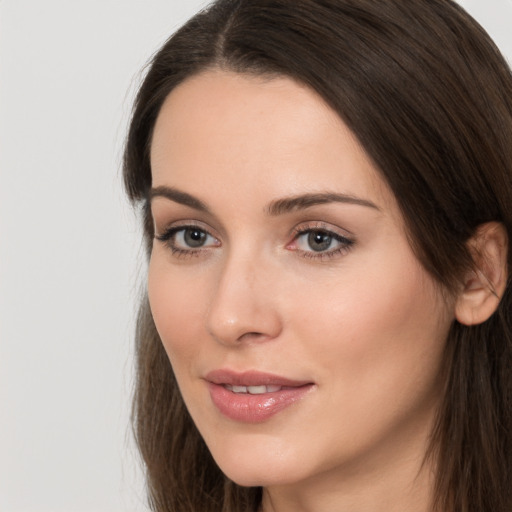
[[253, 397]]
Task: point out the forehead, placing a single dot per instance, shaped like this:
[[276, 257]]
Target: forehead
[[223, 127]]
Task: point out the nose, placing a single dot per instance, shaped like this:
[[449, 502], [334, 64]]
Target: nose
[[243, 308]]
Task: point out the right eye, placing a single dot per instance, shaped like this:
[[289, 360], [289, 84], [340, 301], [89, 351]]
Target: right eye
[[187, 239]]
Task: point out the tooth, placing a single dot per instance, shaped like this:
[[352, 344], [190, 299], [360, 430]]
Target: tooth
[[253, 390], [257, 390]]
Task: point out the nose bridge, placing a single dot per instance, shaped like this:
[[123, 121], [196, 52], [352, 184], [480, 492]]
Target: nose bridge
[[242, 306]]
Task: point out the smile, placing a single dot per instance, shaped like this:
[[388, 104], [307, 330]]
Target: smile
[[253, 397]]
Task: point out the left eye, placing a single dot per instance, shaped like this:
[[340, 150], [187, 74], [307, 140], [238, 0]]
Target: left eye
[[187, 239], [319, 240], [191, 238]]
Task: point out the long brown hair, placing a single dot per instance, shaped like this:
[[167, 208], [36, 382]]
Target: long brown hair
[[429, 97]]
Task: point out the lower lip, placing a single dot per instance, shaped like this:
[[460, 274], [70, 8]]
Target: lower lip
[[247, 408]]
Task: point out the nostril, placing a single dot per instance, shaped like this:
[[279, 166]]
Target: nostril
[[251, 336]]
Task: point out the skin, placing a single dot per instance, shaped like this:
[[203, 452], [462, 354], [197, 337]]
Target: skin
[[363, 321]]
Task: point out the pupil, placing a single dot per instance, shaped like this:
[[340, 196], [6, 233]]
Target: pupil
[[319, 241], [195, 237]]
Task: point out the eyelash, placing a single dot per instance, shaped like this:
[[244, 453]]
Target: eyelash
[[167, 238], [345, 243], [321, 228]]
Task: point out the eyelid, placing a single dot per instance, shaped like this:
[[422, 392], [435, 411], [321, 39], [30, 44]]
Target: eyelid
[[321, 226], [169, 233], [183, 224], [344, 238]]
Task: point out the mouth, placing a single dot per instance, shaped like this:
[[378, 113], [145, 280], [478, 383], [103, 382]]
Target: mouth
[[254, 397]]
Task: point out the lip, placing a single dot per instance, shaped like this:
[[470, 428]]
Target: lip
[[254, 408]]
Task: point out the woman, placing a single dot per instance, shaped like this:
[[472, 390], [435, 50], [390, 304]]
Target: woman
[[326, 188]]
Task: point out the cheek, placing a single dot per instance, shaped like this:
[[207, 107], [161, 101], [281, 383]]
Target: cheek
[[177, 308], [377, 343], [376, 332]]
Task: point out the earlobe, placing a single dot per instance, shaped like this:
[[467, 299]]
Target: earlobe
[[485, 284]]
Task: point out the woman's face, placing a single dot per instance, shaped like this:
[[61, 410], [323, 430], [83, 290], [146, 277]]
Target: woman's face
[[305, 336]]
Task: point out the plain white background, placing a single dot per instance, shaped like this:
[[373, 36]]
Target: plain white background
[[70, 258]]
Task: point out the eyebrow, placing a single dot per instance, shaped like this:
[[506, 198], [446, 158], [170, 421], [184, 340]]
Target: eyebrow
[[275, 208], [178, 197], [290, 204]]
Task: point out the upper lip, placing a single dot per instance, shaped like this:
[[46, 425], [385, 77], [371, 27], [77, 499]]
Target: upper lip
[[251, 378]]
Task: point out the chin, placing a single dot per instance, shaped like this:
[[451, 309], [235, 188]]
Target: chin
[[263, 466], [250, 476]]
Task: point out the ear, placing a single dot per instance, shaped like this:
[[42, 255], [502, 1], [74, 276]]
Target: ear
[[485, 283]]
